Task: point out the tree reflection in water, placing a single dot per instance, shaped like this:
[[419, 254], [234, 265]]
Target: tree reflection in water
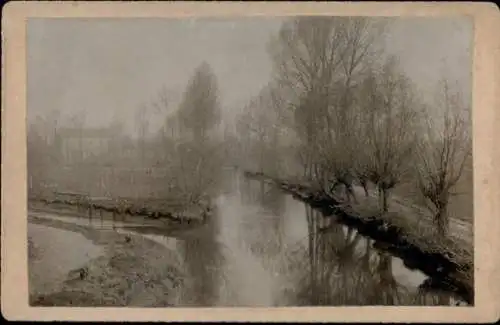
[[248, 256], [344, 269], [202, 260], [275, 202]]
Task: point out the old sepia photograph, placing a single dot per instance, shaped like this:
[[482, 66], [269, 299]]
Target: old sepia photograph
[[250, 161]]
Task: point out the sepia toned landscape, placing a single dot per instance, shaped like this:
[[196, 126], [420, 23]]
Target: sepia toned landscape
[[257, 161]]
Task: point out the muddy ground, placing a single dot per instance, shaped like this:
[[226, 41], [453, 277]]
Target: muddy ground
[[132, 271]]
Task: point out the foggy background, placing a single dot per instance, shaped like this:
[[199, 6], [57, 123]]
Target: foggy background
[[110, 67], [197, 118]]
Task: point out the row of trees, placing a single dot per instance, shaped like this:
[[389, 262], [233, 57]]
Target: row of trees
[[337, 105], [355, 114], [190, 156]]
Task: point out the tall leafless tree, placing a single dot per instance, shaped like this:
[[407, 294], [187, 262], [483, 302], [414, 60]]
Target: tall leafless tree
[[162, 105], [141, 126], [261, 126], [391, 116], [443, 151], [307, 53], [78, 123], [260, 123], [318, 62]]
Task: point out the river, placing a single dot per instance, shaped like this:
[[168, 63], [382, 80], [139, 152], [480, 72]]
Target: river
[[276, 251], [264, 248]]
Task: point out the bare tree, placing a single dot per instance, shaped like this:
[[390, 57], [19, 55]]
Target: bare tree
[[43, 149], [163, 104], [391, 118], [318, 63], [52, 121], [37, 158], [360, 52], [78, 122], [261, 124], [444, 151], [307, 53], [142, 126]]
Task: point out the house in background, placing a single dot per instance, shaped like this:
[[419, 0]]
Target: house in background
[[76, 145]]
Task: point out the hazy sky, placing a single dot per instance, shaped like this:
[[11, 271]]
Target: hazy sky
[[114, 65]]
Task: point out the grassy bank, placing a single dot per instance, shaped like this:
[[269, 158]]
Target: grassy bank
[[134, 271], [163, 225], [178, 210], [448, 261]]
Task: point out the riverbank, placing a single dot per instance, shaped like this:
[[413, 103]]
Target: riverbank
[[170, 225], [448, 261], [132, 271], [179, 210]]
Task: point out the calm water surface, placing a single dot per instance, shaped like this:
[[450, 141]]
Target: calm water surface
[[264, 248]]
